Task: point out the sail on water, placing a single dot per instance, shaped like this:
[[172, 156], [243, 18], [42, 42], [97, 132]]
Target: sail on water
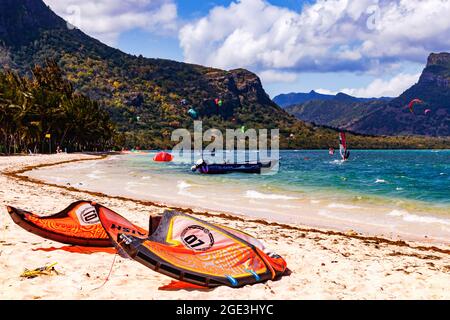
[[345, 154]]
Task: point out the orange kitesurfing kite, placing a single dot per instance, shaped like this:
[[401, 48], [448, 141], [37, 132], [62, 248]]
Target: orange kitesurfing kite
[[76, 225], [194, 251], [177, 245]]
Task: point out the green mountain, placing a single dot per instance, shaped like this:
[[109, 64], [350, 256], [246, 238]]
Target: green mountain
[[433, 89], [148, 98], [392, 117], [334, 113], [143, 96]]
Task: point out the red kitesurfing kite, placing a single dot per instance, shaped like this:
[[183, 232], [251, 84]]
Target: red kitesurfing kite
[[412, 103]]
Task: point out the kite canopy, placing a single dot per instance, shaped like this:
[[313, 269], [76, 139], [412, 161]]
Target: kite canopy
[[218, 102], [193, 113], [177, 245], [412, 103], [427, 111], [163, 157], [194, 251], [77, 225]]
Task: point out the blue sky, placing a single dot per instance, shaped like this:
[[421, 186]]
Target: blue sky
[[192, 9], [137, 41], [361, 47]]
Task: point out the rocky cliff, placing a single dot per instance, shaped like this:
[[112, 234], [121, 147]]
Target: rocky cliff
[[148, 98], [392, 117]]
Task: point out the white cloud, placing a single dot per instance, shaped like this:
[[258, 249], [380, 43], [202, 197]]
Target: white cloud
[[329, 35], [327, 91], [379, 87], [273, 76], [107, 19]]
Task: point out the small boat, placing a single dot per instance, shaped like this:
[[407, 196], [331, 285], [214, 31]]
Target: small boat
[[222, 168]]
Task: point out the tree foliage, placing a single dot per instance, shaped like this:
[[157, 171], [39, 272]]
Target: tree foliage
[[45, 103]]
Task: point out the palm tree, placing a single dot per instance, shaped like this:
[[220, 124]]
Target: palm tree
[[46, 103]]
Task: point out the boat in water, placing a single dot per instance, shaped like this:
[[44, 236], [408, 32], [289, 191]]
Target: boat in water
[[221, 168]]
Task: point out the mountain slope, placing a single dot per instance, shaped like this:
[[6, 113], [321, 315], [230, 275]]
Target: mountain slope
[[392, 117], [144, 96], [433, 88], [290, 99], [336, 114]]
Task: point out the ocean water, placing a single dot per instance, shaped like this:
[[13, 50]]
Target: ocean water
[[391, 193]]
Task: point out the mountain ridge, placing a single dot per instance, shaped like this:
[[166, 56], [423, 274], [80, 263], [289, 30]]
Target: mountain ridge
[[132, 87], [392, 117], [295, 98], [433, 88], [143, 96]]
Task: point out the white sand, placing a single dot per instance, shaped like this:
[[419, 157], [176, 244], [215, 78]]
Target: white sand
[[324, 266]]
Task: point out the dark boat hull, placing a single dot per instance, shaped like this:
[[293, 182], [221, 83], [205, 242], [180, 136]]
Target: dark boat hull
[[233, 167]]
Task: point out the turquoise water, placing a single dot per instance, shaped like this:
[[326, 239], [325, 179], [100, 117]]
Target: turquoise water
[[388, 193], [420, 175], [414, 175]]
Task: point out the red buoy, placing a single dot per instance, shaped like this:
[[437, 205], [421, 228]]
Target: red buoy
[[163, 157]]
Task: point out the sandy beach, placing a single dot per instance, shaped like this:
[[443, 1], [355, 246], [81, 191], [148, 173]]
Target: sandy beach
[[324, 264]]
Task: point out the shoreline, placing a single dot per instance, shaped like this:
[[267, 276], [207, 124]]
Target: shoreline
[[202, 212], [229, 216], [280, 235]]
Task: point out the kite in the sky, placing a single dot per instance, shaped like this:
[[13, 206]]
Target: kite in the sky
[[412, 103]]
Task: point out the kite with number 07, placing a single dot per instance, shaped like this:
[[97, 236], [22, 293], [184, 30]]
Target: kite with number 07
[[176, 244]]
